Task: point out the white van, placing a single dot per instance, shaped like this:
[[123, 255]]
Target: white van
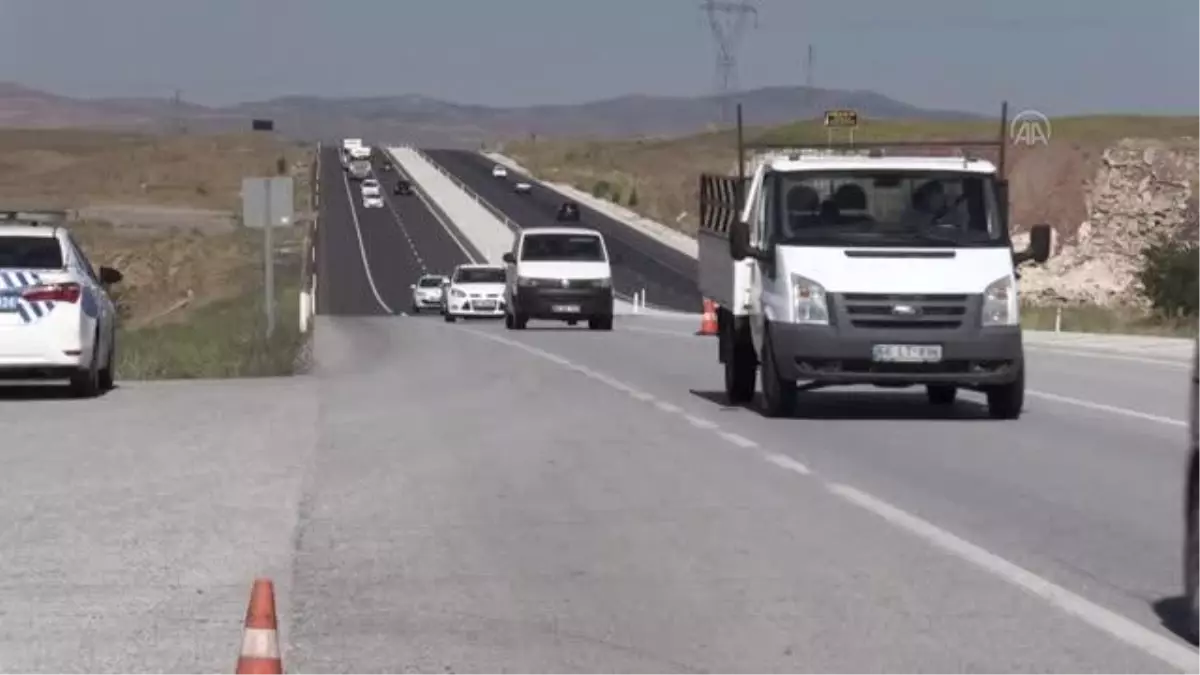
[[559, 274]]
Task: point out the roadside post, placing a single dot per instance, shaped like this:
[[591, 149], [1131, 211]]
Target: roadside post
[[265, 202]]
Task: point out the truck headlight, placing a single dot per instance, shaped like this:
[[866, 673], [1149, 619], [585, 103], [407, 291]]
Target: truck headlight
[[809, 296], [1000, 303], [455, 293]]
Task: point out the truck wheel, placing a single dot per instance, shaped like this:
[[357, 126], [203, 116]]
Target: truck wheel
[[779, 395], [941, 394], [741, 370], [1006, 400]]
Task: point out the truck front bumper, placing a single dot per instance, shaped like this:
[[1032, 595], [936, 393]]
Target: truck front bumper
[[822, 354]]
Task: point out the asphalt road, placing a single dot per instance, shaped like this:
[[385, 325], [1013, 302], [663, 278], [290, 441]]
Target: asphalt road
[[560, 500], [368, 258], [643, 263]]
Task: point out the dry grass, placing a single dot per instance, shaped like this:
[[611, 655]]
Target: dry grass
[[1048, 182], [149, 206]]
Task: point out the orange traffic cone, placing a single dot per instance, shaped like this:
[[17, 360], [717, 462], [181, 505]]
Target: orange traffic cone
[[260, 641], [708, 323]]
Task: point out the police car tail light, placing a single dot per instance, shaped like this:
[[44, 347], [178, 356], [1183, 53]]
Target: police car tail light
[[68, 292]]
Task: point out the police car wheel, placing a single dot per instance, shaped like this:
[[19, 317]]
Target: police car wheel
[[108, 376], [86, 383]]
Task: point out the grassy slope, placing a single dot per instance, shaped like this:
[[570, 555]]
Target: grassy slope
[[172, 255]]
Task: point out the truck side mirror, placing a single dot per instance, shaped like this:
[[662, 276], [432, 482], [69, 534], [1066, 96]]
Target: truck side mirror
[[1039, 245], [509, 258], [739, 240]]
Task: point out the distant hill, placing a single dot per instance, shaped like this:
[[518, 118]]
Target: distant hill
[[427, 121]]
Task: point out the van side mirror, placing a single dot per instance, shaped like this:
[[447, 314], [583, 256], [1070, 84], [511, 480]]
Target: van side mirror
[[110, 276], [1040, 236], [509, 258]]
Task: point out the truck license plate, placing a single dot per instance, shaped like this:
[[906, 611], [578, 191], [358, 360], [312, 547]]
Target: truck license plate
[[907, 353], [566, 309], [8, 303]]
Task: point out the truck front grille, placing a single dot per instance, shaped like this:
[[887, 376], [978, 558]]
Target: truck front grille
[[884, 311]]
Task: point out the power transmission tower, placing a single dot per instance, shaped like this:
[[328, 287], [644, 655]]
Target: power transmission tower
[[728, 21], [177, 113], [808, 68]]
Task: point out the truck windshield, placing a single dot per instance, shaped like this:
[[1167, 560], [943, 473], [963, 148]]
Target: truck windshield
[[886, 208]]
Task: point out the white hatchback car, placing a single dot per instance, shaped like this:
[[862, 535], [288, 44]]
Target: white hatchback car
[[475, 290], [427, 292], [372, 202], [499, 171], [370, 187], [57, 320]]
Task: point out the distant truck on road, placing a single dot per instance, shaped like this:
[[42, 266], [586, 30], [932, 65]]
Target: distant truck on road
[[862, 268]]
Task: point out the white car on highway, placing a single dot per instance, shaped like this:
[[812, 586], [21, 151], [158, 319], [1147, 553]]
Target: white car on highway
[[57, 320], [522, 187], [499, 171], [475, 290], [372, 202], [427, 292], [370, 187]]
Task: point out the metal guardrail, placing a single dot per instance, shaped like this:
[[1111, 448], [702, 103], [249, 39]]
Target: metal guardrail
[[509, 223]]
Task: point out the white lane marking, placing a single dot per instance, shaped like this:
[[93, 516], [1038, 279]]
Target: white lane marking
[[668, 407], [657, 331], [785, 462], [362, 247], [738, 440], [1092, 405], [1175, 364], [404, 230], [429, 207], [698, 422], [1106, 620]]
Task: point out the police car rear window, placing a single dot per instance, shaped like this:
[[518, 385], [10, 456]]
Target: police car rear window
[[31, 253]]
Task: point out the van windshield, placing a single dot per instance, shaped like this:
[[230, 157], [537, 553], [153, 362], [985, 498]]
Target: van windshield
[[562, 247], [885, 208]]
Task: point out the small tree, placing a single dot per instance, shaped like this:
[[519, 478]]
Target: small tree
[[601, 189], [1169, 276], [633, 198]]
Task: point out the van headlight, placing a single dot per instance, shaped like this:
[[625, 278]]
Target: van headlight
[[809, 296], [1000, 303], [601, 283], [527, 282]]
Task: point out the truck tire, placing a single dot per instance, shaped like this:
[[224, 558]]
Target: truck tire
[[941, 394], [741, 367], [1006, 400], [779, 395]]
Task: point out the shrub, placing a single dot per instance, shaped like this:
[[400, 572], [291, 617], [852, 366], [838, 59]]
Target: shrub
[[1169, 277]]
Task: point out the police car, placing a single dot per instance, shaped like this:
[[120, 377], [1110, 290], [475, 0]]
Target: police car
[[57, 320]]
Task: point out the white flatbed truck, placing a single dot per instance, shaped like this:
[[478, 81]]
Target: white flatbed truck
[[865, 268]]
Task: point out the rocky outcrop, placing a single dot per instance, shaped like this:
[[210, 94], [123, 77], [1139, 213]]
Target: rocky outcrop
[[1142, 189]]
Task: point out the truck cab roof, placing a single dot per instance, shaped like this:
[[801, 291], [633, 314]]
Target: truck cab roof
[[830, 162]]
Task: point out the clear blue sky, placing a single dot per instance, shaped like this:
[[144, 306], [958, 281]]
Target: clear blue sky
[[1058, 56]]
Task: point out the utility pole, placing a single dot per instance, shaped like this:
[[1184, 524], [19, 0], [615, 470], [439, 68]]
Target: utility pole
[[728, 21], [808, 68], [177, 113]]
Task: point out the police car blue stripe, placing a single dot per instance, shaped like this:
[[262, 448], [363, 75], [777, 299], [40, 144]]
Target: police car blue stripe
[[17, 280]]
